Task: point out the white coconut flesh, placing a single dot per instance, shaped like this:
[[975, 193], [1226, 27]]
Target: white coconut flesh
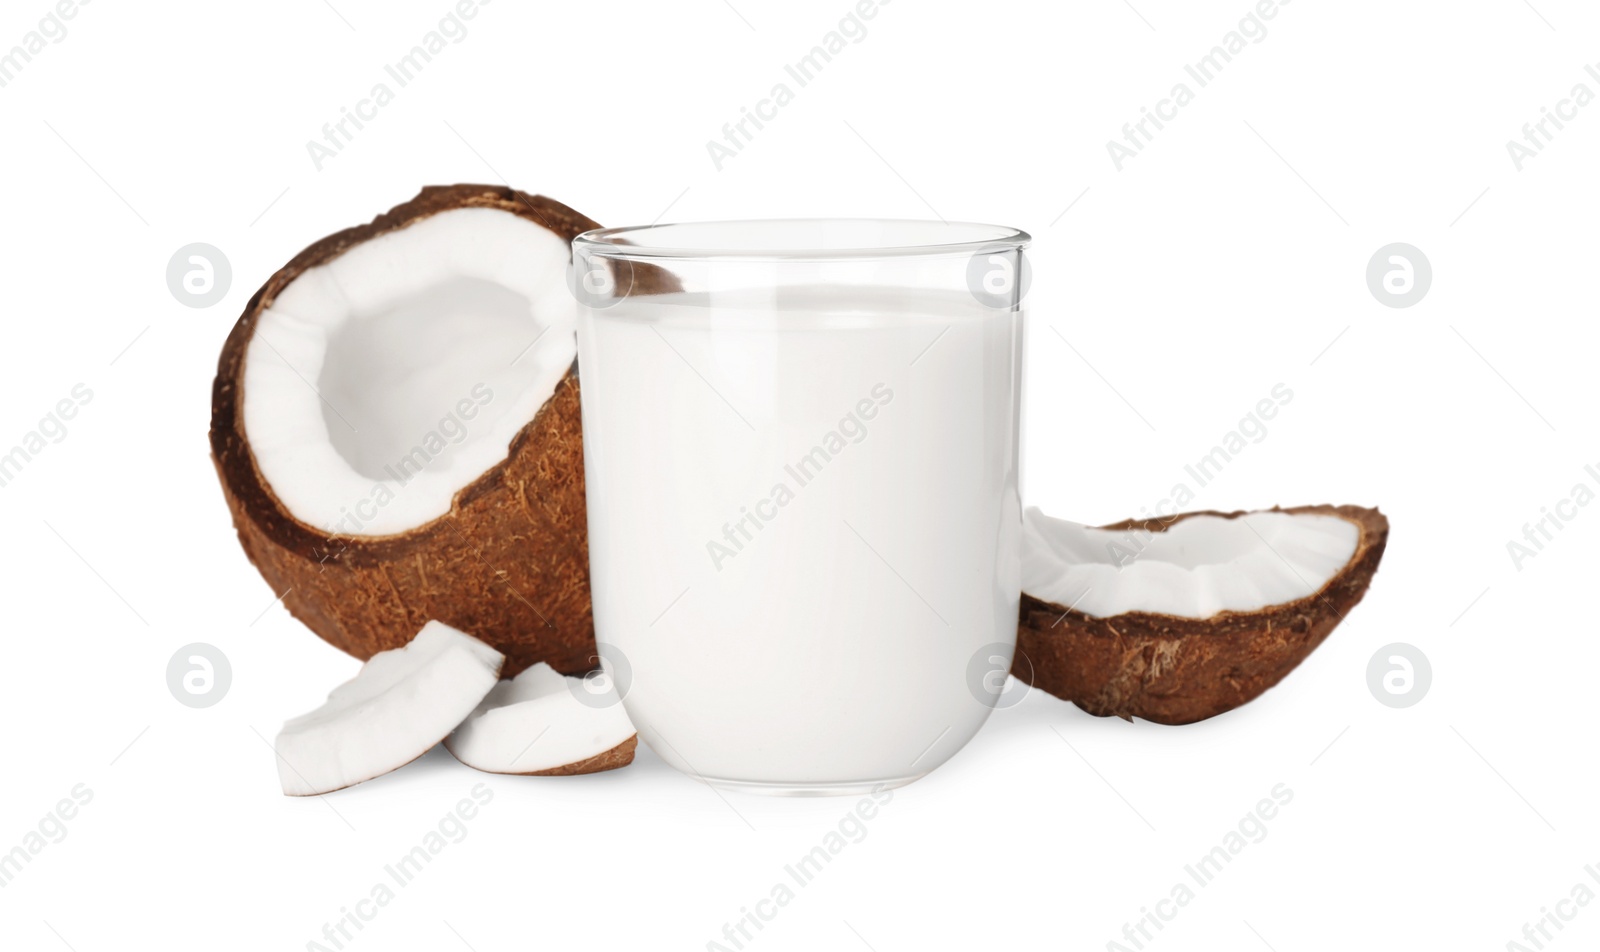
[[379, 384], [400, 704], [537, 722], [1195, 568]]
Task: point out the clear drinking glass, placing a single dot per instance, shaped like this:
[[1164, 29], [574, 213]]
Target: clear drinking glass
[[801, 446]]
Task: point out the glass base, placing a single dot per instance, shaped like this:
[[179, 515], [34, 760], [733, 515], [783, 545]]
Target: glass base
[[788, 789]]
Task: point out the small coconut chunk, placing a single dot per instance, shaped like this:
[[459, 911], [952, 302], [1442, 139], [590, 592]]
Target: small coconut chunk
[[546, 724], [399, 705]]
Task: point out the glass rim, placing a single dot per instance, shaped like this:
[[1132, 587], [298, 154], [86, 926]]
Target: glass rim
[[959, 238]]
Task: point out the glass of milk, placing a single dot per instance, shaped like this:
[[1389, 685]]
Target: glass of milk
[[801, 451]]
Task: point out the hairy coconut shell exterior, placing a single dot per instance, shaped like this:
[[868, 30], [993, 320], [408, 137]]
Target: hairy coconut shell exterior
[[509, 563], [1175, 670]]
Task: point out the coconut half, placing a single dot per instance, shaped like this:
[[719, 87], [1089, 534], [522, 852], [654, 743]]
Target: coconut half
[[1179, 619], [400, 704], [395, 423], [544, 724]]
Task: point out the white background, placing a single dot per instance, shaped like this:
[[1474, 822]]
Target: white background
[[1228, 257]]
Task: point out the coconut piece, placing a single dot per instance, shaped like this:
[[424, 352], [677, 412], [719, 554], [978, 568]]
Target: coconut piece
[[401, 703], [1179, 619], [544, 724], [395, 422]]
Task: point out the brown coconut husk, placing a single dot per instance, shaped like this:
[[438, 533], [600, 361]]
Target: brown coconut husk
[[1175, 670]]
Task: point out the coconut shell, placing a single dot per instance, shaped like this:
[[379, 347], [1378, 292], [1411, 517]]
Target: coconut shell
[[1174, 670], [509, 563], [618, 756]]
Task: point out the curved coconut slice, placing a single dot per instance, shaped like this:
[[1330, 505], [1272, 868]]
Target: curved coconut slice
[[537, 725], [1180, 619], [395, 422], [399, 705]]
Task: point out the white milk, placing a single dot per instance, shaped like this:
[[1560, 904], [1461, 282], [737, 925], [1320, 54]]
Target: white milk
[[803, 526]]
